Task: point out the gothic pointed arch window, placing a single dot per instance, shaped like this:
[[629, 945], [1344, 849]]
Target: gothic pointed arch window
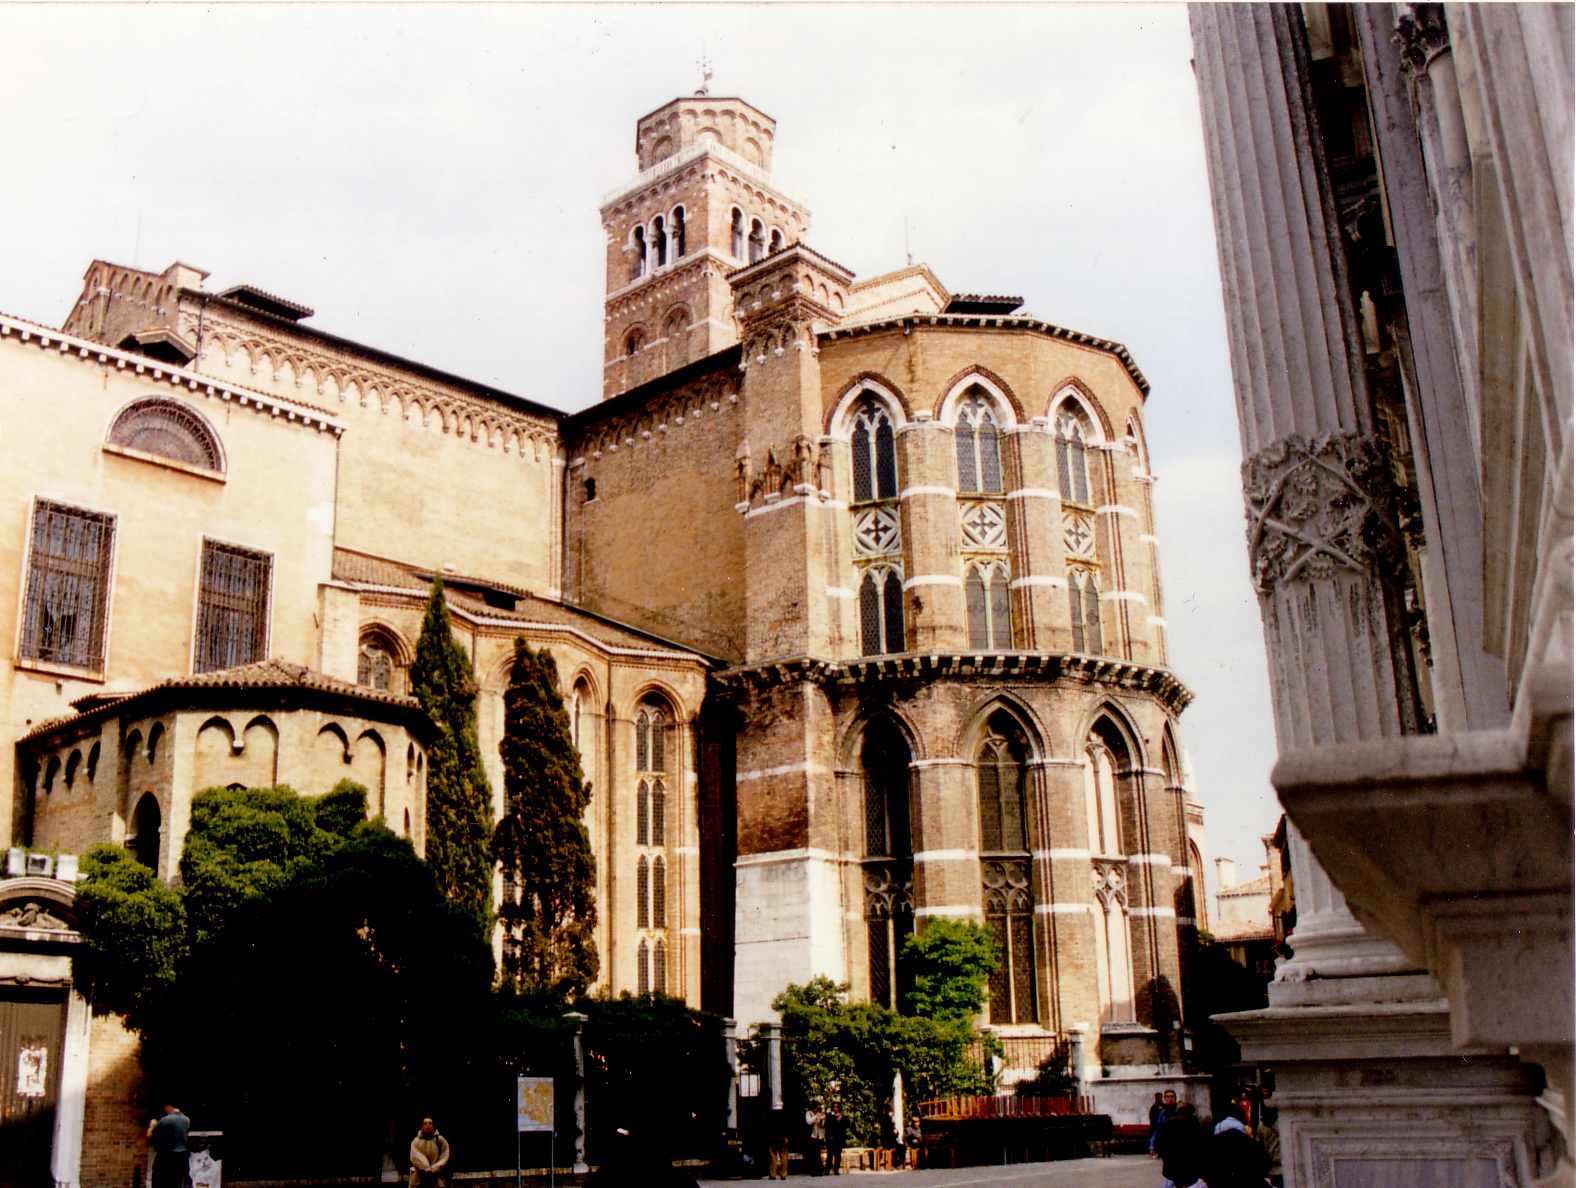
[[1072, 455], [988, 606], [643, 969], [653, 727], [1105, 759], [642, 893], [1001, 783], [978, 438], [872, 452], [643, 814], [659, 814], [1083, 598], [374, 665], [659, 893], [659, 967], [888, 867], [881, 611]]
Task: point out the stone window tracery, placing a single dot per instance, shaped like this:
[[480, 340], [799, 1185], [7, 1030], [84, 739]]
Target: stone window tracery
[[652, 723], [888, 868], [375, 668], [873, 454], [168, 429], [1001, 775], [643, 969], [979, 445], [1083, 597], [988, 605], [881, 611], [1105, 758], [67, 604], [659, 968], [1072, 456]]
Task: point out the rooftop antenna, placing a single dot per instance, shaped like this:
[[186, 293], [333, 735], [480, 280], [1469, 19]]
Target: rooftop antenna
[[705, 71]]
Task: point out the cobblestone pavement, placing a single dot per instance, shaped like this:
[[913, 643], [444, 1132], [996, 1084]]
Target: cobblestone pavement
[[1119, 1171]]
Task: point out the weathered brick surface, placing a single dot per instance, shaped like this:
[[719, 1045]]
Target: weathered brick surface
[[114, 1128]]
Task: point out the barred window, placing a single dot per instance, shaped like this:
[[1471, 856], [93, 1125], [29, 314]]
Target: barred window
[[1009, 914], [67, 586], [1083, 596], [659, 968], [881, 612], [979, 445], [232, 607], [1072, 457], [643, 969], [873, 453], [659, 814], [642, 894], [1003, 822], [989, 611], [643, 815], [169, 429], [659, 894]]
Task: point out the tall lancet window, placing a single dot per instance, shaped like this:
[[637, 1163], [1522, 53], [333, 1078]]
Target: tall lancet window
[[989, 610], [654, 901], [889, 858], [873, 454], [881, 611], [1072, 456], [1001, 773], [1083, 598], [1105, 757], [979, 445]]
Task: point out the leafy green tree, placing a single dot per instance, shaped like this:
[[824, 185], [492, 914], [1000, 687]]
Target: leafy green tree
[[950, 964], [459, 801], [542, 842], [134, 934]]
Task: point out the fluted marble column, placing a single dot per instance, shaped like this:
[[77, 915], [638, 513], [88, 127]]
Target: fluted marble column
[[1323, 541]]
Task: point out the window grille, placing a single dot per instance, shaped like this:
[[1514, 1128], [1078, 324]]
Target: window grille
[[642, 815], [67, 586], [979, 447], [170, 430], [659, 894], [889, 918], [659, 968], [1001, 800], [659, 815], [232, 610], [643, 969], [642, 894], [375, 667]]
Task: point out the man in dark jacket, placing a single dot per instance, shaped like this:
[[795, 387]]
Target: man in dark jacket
[[1180, 1145], [167, 1136], [1232, 1157]]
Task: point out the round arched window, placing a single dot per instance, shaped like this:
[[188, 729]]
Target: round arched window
[[170, 430]]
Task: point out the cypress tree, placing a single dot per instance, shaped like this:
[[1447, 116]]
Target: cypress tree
[[542, 842], [459, 801]]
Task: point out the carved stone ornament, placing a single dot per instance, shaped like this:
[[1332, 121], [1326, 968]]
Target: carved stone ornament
[[1422, 35], [32, 915], [889, 892], [1315, 507]]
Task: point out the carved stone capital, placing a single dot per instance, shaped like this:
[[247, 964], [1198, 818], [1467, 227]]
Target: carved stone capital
[[1315, 507], [1422, 35]]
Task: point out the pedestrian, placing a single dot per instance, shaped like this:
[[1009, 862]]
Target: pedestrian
[[1154, 1121], [167, 1137], [429, 1157], [1180, 1147], [914, 1141], [1168, 1109], [836, 1140], [815, 1119], [1269, 1138], [1233, 1158], [777, 1144]]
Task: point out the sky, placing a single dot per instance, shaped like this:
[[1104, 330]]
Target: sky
[[427, 178]]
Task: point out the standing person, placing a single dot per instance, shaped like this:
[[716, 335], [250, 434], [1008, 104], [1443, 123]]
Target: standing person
[[1180, 1147], [777, 1144], [1168, 1109], [815, 1119], [836, 1140], [167, 1136], [1269, 1139], [914, 1140], [1154, 1122], [429, 1157], [1232, 1157]]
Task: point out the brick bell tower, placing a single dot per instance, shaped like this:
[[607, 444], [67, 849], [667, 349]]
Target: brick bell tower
[[703, 204]]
